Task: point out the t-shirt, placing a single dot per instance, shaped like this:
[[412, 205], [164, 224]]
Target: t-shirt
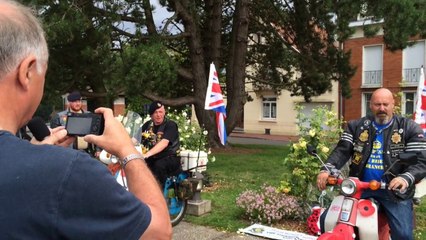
[[167, 130], [374, 169], [52, 192]]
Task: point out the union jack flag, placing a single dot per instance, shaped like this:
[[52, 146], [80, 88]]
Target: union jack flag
[[214, 101], [419, 115]]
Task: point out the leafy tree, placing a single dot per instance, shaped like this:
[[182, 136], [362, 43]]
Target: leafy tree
[[112, 48]]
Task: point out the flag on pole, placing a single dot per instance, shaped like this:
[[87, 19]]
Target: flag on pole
[[420, 114], [419, 117], [214, 101]]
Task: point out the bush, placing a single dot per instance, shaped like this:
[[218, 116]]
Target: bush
[[191, 135], [322, 131], [268, 205]]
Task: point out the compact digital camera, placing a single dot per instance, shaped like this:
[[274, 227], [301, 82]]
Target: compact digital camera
[[81, 124]]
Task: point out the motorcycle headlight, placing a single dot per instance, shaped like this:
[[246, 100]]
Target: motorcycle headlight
[[348, 187]]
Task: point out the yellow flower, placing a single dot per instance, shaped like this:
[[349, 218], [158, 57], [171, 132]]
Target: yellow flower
[[303, 143], [145, 135], [312, 132], [295, 146], [144, 150], [325, 149], [286, 190]]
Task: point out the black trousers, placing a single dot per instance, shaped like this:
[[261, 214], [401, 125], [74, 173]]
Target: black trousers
[[164, 167]]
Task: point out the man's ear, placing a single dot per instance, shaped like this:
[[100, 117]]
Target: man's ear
[[26, 71]]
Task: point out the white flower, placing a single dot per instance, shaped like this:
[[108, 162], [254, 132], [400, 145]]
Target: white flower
[[312, 132], [147, 119], [124, 121], [213, 159], [184, 114], [205, 132], [186, 128], [119, 117]]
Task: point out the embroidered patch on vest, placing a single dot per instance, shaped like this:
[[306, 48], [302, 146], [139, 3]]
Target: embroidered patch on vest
[[396, 138], [363, 137], [356, 158]]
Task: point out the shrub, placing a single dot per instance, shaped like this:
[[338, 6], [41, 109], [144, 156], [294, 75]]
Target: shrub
[[191, 135], [322, 131], [268, 205]]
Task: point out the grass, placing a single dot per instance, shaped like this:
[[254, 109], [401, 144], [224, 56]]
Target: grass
[[249, 167], [234, 171]]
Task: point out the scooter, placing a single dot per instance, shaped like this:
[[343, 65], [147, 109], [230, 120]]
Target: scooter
[[177, 190], [350, 217]]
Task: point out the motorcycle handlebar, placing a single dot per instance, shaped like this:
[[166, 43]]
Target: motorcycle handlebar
[[372, 185]]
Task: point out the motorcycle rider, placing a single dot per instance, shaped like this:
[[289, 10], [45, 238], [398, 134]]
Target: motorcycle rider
[[373, 143], [160, 137]]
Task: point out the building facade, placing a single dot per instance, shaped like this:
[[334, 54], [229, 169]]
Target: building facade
[[378, 67], [274, 114]]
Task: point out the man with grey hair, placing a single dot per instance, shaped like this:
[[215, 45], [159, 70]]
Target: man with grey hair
[[49, 191]]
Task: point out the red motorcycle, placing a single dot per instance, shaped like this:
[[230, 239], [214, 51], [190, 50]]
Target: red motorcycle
[[349, 216]]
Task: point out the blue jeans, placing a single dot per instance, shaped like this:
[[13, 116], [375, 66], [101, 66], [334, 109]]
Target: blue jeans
[[398, 213]]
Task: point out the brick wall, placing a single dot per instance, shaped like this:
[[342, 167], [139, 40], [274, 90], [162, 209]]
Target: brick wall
[[392, 74]]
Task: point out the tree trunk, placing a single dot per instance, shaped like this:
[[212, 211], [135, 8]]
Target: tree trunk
[[236, 67]]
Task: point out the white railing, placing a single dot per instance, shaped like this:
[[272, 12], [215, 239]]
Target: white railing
[[411, 75], [373, 78]]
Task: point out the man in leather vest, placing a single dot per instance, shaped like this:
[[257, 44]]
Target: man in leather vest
[[373, 144], [160, 139]]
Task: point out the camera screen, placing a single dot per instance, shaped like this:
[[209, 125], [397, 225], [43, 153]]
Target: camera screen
[[78, 125]]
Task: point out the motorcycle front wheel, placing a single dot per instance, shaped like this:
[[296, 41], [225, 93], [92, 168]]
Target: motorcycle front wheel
[[177, 208]]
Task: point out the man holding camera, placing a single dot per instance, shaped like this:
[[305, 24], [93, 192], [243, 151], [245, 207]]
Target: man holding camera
[[54, 192]]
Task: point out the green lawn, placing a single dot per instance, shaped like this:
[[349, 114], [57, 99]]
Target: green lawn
[[248, 167]]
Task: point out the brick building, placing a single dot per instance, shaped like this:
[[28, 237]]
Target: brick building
[[378, 67]]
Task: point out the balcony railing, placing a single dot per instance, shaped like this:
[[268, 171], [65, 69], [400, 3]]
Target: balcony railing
[[373, 78], [411, 75]]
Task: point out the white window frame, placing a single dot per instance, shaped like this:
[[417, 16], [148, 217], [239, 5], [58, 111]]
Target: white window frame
[[365, 106], [404, 101], [378, 70], [411, 64], [269, 100]]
